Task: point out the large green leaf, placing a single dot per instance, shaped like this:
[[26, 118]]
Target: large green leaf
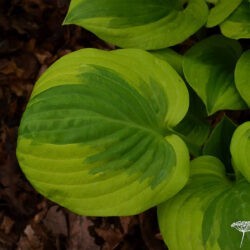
[[96, 135], [242, 76], [219, 141], [238, 24], [221, 10], [205, 213], [209, 69], [147, 24]]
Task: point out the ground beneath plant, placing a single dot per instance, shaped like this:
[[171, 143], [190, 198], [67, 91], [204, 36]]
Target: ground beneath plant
[[31, 39]]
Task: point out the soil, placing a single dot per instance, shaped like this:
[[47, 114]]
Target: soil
[[32, 38]]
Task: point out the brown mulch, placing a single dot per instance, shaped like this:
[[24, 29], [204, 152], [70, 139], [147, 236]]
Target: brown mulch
[[31, 39]]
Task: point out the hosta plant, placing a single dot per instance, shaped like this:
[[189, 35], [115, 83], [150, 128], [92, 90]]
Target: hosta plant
[[110, 133]]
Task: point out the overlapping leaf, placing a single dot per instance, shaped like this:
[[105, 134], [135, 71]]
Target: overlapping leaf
[[242, 76], [170, 56], [240, 149], [221, 10], [193, 129], [210, 203], [147, 24], [96, 134], [237, 25], [219, 142], [209, 69]]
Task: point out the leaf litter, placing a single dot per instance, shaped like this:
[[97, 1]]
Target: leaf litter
[[32, 38]]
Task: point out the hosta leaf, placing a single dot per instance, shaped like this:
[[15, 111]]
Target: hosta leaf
[[221, 10], [242, 76], [208, 67], [200, 216], [96, 134], [147, 24], [219, 141], [237, 25], [240, 149]]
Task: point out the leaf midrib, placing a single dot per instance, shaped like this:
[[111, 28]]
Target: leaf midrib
[[160, 134]]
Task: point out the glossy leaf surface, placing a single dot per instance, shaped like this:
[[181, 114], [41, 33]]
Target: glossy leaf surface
[[96, 134], [146, 24]]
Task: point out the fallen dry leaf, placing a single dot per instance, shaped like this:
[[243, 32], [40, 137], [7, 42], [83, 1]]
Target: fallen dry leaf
[[32, 38], [149, 230], [7, 224], [111, 236], [128, 222], [55, 221], [79, 234]]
